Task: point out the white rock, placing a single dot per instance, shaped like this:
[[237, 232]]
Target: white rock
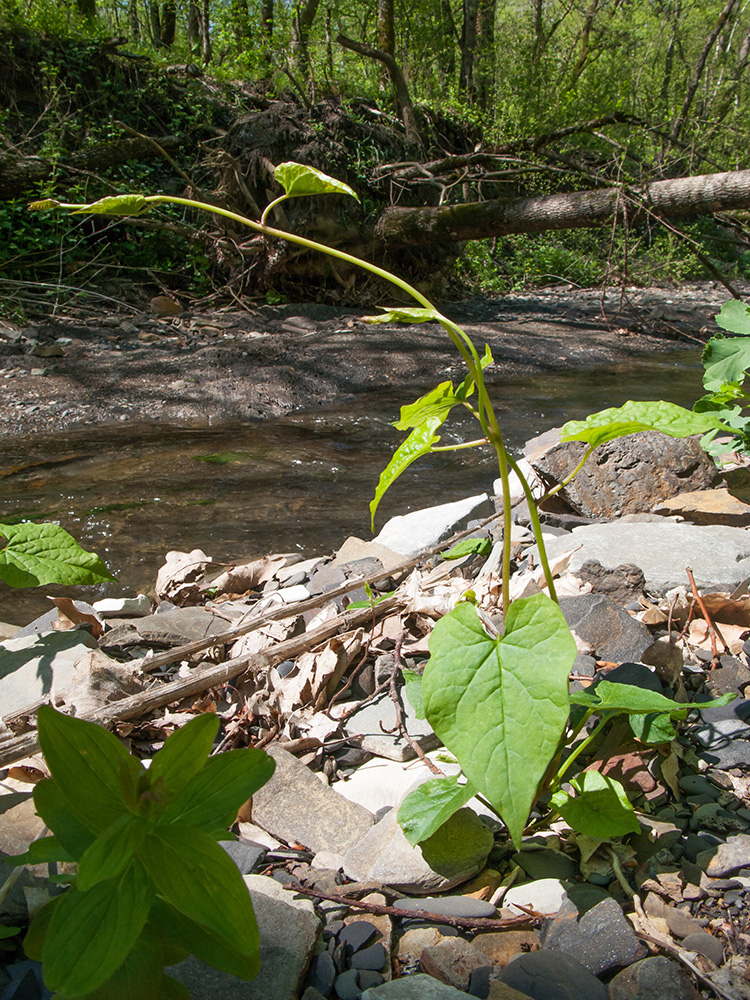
[[546, 895], [39, 666], [409, 534], [114, 607]]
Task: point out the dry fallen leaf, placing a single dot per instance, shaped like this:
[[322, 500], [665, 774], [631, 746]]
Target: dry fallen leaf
[[318, 673], [247, 576], [69, 617], [179, 577]]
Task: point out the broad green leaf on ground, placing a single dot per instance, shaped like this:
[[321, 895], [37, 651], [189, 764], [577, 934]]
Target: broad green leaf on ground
[[500, 704], [35, 554], [214, 795], [436, 403], [653, 727], [54, 809], [424, 810], [609, 697], [91, 933], [111, 851], [298, 180], [469, 546], [184, 753], [735, 317], [84, 760], [408, 314], [599, 809], [725, 360], [120, 204], [413, 683], [419, 443], [198, 878], [639, 415], [200, 941]]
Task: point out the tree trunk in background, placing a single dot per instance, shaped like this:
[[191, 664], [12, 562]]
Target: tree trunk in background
[[405, 107], [154, 23], [87, 9], [468, 47], [240, 20], [484, 75], [193, 28], [697, 195], [449, 68], [204, 24], [168, 23], [386, 37], [266, 19], [303, 18], [133, 19], [698, 71]]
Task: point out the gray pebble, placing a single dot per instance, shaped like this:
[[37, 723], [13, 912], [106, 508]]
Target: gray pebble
[[347, 985], [322, 974], [356, 934], [552, 975], [705, 944], [449, 906], [372, 958], [368, 979]]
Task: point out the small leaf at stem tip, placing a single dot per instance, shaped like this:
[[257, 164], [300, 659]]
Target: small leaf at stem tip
[[419, 442], [411, 314], [469, 546], [120, 204], [640, 415], [438, 402], [297, 179], [44, 205]]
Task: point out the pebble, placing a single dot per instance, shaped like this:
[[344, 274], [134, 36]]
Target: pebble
[[372, 958], [449, 906], [502, 946], [545, 895], [419, 987], [356, 934], [322, 973], [601, 939], [414, 941], [553, 975], [705, 944], [347, 985], [727, 857], [655, 978]]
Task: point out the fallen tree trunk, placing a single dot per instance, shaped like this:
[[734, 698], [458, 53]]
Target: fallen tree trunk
[[697, 195], [20, 173]]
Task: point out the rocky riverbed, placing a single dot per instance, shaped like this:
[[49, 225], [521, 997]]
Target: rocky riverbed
[[346, 907], [78, 368]]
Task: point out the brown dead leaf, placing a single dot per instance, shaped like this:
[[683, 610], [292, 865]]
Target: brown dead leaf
[[98, 680], [247, 576], [26, 774], [178, 579], [698, 635], [318, 673], [70, 617]]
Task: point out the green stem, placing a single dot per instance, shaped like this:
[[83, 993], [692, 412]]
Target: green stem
[[536, 525], [271, 206], [458, 447], [571, 477], [557, 780]]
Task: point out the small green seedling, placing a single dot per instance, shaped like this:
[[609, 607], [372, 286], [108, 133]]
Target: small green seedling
[[500, 703], [152, 885]]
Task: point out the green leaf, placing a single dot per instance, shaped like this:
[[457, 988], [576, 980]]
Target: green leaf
[[173, 989], [609, 697], [725, 360], [91, 933], [652, 728], [466, 388], [33, 942], [639, 415], [120, 204], [298, 180], [41, 852], [9, 932], [198, 878], [44, 205], [36, 554], [84, 760], [111, 852], [213, 796], [436, 403], [424, 810], [54, 809], [501, 704], [141, 974], [373, 603], [408, 314], [184, 753], [413, 683], [419, 443], [200, 941], [735, 317], [468, 546], [600, 808]]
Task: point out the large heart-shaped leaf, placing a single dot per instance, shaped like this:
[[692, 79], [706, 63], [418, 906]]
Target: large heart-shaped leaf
[[735, 317], [725, 360], [298, 180], [425, 809], [35, 554], [640, 415], [501, 704]]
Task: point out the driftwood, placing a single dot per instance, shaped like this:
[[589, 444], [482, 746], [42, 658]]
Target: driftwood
[[20, 173]]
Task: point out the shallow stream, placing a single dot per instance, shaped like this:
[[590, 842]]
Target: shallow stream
[[299, 484]]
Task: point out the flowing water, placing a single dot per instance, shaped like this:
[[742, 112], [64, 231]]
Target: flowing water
[[300, 484]]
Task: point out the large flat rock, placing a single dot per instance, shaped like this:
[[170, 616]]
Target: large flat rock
[[718, 555]]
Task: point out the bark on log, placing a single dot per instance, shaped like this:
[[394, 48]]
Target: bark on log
[[697, 195], [19, 173]]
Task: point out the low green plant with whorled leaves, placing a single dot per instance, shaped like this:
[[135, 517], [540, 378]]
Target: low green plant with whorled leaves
[[499, 702], [152, 885]]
